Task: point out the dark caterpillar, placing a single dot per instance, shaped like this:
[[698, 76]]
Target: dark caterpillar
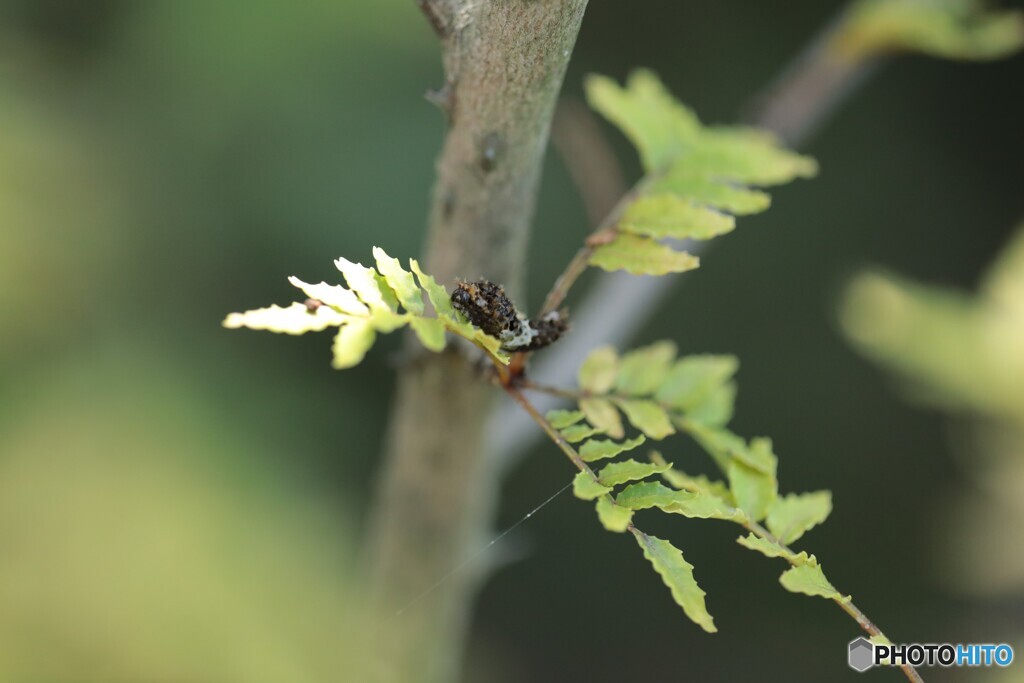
[[486, 306]]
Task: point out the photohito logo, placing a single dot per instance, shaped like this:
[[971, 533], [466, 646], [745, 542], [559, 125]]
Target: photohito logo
[[863, 654]]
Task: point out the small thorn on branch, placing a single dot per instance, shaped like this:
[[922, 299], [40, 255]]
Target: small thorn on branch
[[443, 98], [433, 14]]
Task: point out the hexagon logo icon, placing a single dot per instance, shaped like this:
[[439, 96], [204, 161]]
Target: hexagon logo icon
[[861, 654]]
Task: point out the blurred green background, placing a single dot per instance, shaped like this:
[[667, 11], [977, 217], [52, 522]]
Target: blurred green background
[[182, 502]]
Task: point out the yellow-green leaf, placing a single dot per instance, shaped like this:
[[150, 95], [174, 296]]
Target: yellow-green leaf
[[641, 256], [334, 296], [698, 484], [648, 417], [430, 332], [438, 295], [792, 516], [629, 470], [703, 505], [560, 419], [649, 494], [693, 379], [600, 449], [599, 370], [400, 280], [677, 574], [363, 281], [577, 432], [959, 29], [735, 199], [603, 414], [770, 549], [352, 342], [654, 121], [809, 579], [584, 486], [754, 491], [669, 215], [613, 517], [642, 370], [295, 319]]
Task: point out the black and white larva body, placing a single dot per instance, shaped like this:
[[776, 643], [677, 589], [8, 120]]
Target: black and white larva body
[[485, 305]]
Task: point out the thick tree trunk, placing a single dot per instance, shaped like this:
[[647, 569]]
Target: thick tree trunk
[[504, 61]]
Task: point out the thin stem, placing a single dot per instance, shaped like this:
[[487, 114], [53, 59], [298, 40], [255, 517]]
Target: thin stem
[[604, 233], [846, 605], [552, 433]]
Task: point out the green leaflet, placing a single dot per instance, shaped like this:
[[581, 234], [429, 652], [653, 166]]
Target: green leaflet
[[560, 419], [599, 370], [400, 280], [363, 281], [649, 494], [704, 505], [677, 574], [669, 215], [755, 492], [335, 296], [769, 549], [646, 112], [430, 332], [794, 515], [809, 579], [648, 417], [369, 305], [295, 319], [960, 29], [641, 256], [352, 342], [642, 370], [739, 201], [585, 487], [699, 484], [600, 449], [439, 297], [629, 470], [694, 380], [603, 414], [613, 517], [577, 432]]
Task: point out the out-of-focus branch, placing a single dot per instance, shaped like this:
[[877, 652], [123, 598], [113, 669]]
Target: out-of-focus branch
[[504, 65], [792, 107]]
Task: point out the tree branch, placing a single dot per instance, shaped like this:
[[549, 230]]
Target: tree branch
[[504, 65]]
